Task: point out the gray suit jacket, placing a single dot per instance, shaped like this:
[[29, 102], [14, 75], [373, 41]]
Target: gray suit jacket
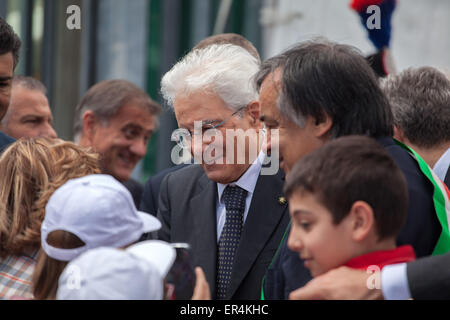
[[187, 210], [429, 278]]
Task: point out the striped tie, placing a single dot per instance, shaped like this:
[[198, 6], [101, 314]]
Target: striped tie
[[234, 199]]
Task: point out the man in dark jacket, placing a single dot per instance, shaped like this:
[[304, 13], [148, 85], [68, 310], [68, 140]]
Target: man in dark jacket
[[319, 91], [9, 57]]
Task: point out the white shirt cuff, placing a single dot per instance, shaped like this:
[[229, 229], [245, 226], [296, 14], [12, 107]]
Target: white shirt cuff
[[394, 282]]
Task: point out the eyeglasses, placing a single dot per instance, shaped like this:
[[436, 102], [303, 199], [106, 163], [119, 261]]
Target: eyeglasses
[[181, 136], [225, 121]]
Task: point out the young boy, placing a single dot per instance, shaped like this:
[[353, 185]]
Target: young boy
[[348, 202]]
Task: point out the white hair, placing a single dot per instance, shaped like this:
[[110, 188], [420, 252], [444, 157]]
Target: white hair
[[226, 70]]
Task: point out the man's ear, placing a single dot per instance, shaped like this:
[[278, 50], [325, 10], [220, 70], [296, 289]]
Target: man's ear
[[322, 127], [253, 111], [399, 135], [90, 122], [363, 220]]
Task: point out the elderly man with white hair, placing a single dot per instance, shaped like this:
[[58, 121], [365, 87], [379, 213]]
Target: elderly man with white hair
[[232, 216]]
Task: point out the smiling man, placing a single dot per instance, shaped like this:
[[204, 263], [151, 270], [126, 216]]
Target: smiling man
[[29, 113], [117, 119], [9, 57]]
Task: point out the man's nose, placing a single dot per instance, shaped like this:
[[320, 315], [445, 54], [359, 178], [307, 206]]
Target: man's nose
[[139, 148], [294, 242], [49, 132], [267, 143]]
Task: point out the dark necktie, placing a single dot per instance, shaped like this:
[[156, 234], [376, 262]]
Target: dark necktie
[[234, 199]]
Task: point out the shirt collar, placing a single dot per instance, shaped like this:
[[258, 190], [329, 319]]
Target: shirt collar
[[383, 258], [248, 180], [441, 167]]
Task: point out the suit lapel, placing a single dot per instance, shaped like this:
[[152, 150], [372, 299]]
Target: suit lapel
[[447, 178], [263, 218], [203, 208]]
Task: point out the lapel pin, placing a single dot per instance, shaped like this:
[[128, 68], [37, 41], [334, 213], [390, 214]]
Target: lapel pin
[[282, 201]]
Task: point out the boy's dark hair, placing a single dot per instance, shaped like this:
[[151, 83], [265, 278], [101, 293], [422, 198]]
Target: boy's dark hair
[[350, 169], [9, 41]]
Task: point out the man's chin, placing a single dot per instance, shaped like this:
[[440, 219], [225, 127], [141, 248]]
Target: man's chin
[[216, 173], [223, 173], [120, 175]]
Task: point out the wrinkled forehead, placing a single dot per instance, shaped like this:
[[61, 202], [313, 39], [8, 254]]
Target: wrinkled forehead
[[269, 95], [26, 101], [199, 106], [33, 96], [132, 114]]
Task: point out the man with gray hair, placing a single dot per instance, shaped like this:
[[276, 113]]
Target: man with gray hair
[[29, 113], [152, 186], [420, 101], [232, 216], [117, 119]]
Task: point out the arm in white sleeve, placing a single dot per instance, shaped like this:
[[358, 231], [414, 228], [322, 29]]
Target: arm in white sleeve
[[394, 282]]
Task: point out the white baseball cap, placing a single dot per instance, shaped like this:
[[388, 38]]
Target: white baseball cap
[[136, 273], [155, 252], [99, 210]]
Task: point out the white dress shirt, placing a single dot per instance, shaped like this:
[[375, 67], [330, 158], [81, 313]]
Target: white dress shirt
[[441, 167], [394, 282], [247, 182]]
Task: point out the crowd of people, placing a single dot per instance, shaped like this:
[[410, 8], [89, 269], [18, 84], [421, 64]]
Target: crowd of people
[[362, 182]]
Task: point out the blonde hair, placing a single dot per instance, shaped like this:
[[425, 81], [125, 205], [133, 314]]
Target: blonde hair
[[31, 170]]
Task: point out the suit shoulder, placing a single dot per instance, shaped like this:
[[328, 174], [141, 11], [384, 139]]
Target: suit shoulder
[[186, 178], [410, 169], [5, 141], [191, 172], [156, 179]]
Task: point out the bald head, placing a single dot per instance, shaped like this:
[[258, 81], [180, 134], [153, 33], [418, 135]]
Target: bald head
[[229, 38]]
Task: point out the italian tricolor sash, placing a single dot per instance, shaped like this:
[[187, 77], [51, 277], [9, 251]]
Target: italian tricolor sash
[[441, 200]]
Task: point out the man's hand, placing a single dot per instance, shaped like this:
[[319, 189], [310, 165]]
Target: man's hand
[[338, 284], [201, 290]]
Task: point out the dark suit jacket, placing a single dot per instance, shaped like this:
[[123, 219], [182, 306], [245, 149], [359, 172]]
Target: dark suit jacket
[[5, 141], [447, 179], [150, 195], [429, 278], [187, 210], [135, 188], [421, 230]]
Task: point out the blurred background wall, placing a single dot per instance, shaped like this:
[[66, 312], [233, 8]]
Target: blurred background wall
[[140, 40], [420, 36]]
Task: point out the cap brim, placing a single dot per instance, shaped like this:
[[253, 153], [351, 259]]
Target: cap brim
[[159, 253], [150, 222]]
